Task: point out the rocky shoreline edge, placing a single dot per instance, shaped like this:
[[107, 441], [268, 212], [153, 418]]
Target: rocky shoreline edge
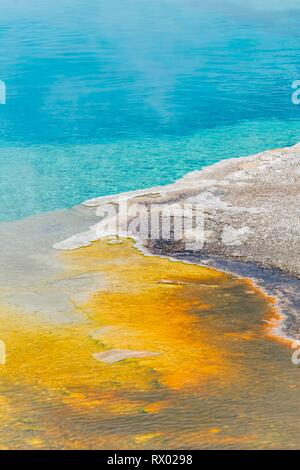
[[252, 223]]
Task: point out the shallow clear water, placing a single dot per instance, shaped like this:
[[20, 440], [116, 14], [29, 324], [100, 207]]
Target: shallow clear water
[[219, 381], [104, 96]]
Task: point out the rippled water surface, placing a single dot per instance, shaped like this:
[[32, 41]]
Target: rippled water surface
[[105, 96]]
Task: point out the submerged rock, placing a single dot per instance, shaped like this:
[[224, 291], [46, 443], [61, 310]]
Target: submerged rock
[[172, 282], [117, 355], [100, 332]]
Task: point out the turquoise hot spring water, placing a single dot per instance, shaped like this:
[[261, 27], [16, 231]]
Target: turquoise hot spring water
[[104, 97]]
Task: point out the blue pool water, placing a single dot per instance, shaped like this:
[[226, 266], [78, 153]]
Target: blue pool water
[[108, 96]]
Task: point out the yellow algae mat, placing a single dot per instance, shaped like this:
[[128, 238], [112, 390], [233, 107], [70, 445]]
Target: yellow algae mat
[[166, 355]]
